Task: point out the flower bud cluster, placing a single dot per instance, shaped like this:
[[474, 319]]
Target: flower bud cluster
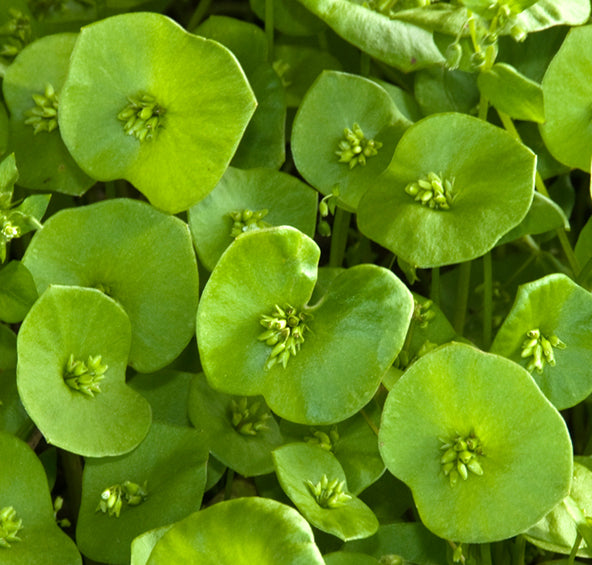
[[354, 148], [247, 220], [540, 348], [85, 377], [461, 456], [114, 497], [10, 526], [325, 440], [15, 34], [44, 115], [284, 332], [432, 191], [329, 494], [141, 117], [247, 418]]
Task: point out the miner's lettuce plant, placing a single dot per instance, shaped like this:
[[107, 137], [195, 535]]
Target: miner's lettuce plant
[[295, 282]]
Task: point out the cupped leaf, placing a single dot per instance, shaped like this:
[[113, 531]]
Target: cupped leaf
[[353, 442], [172, 125], [455, 430], [169, 469], [439, 89], [512, 93], [7, 348], [239, 431], [264, 531], [547, 13], [341, 558], [33, 535], [444, 198], [143, 545], [73, 348], [344, 134], [315, 482], [400, 44], [548, 332], [557, 531], [263, 143], [257, 198], [134, 254], [32, 89], [17, 292], [583, 251], [567, 131], [310, 375], [13, 417]]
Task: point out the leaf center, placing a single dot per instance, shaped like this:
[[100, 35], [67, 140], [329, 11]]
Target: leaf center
[[354, 148], [432, 191], [142, 117], [461, 456]]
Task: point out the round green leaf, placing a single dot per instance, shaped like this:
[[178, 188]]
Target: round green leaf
[[263, 532], [247, 452], [567, 131], [557, 530], [143, 545], [23, 486], [336, 102], [170, 462], [341, 558], [327, 380], [43, 161], [525, 455], [287, 200], [289, 17], [400, 44], [17, 292], [546, 13], [485, 201], [300, 469], [204, 104], [79, 322], [13, 417], [136, 255], [583, 251], [556, 306], [439, 89], [7, 348]]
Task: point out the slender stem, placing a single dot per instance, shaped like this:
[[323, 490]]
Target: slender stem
[[72, 465], [485, 551], [339, 237], [462, 297], [574, 549], [269, 28], [199, 14], [518, 551], [487, 299], [369, 421], [364, 64], [540, 186], [228, 485], [435, 288], [483, 107]]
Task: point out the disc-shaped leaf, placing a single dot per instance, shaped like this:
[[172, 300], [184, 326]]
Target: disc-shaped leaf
[[335, 104], [76, 324], [327, 380], [169, 466], [143, 545], [583, 251], [23, 487], [342, 558], [517, 463], [239, 431], [402, 45], [137, 256], [546, 13], [13, 417], [193, 96], [444, 198], [17, 292], [567, 131], [264, 531], [557, 531], [43, 161], [559, 309], [279, 199], [7, 348], [300, 469]]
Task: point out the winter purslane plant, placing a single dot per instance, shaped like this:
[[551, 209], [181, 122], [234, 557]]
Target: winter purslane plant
[[295, 282]]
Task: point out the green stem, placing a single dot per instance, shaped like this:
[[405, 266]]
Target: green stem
[[269, 28], [199, 14], [462, 297], [518, 551], [369, 422], [228, 485], [574, 549], [487, 299], [483, 107], [435, 288], [540, 186], [72, 465], [364, 64], [339, 237], [485, 553]]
